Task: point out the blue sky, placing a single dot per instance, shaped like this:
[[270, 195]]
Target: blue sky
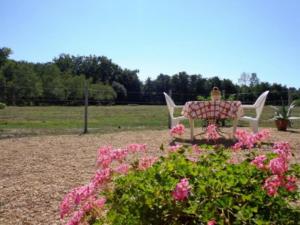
[[222, 38]]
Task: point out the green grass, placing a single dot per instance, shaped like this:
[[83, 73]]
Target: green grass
[[103, 119]]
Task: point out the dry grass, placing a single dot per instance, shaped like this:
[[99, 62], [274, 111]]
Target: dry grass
[[36, 172]]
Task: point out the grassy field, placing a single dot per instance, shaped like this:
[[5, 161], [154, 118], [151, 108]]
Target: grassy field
[[102, 119]]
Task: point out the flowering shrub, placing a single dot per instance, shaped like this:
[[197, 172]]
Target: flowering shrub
[[84, 203], [188, 185]]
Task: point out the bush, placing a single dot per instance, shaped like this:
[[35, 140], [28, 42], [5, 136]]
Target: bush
[[229, 193], [2, 105], [190, 185]]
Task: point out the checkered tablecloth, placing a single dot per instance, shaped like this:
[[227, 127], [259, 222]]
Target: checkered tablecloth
[[212, 109]]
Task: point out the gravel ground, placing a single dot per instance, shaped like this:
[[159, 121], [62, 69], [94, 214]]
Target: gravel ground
[[36, 172]]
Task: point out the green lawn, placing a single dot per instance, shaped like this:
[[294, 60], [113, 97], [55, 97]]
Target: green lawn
[[103, 119]]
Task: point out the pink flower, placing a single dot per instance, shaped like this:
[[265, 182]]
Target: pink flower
[[82, 193], [101, 177], [272, 184], [119, 154], [196, 149], [65, 206], [177, 130], [104, 156], [182, 190], [278, 166], [262, 135], [75, 197], [259, 161], [174, 148], [282, 145], [100, 202], [237, 146], [290, 183], [212, 222], [193, 158], [211, 132], [122, 169], [133, 148], [146, 162], [283, 149], [249, 140], [76, 218], [196, 152]]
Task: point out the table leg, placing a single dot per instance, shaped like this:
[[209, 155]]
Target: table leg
[[192, 129]]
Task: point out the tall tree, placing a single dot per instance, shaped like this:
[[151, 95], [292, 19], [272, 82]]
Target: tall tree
[[244, 79], [253, 80], [4, 54]]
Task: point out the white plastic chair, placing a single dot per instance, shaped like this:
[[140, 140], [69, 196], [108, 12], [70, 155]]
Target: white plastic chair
[[171, 106], [258, 106]]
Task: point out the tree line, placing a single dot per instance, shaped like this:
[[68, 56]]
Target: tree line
[[62, 81]]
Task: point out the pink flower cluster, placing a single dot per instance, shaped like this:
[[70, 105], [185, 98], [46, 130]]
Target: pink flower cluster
[[106, 155], [278, 167], [259, 161], [109, 161], [272, 184], [146, 162], [196, 152], [249, 140], [177, 130], [174, 148], [283, 149], [122, 168], [182, 190], [81, 196], [211, 132], [88, 206], [212, 222]]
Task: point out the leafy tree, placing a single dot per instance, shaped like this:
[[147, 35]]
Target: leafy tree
[[53, 86], [4, 54], [2, 87], [120, 90], [253, 79], [102, 93], [244, 79], [22, 83], [73, 88], [64, 62]]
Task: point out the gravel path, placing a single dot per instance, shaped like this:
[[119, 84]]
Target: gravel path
[[36, 172]]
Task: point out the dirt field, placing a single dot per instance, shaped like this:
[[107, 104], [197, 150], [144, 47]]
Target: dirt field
[[36, 172]]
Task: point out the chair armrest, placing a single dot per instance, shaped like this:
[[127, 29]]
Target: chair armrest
[[294, 118], [248, 107]]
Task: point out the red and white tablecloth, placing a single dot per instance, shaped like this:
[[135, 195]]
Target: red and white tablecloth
[[212, 109]]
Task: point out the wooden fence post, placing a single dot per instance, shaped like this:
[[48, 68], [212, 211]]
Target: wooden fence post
[[86, 104]]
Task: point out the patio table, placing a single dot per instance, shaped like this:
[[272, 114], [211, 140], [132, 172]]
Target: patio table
[[212, 111]]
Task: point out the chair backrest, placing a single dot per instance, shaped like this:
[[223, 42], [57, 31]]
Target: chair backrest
[[260, 103], [170, 104]]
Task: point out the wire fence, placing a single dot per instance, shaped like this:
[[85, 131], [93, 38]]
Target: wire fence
[[76, 97], [80, 111]]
